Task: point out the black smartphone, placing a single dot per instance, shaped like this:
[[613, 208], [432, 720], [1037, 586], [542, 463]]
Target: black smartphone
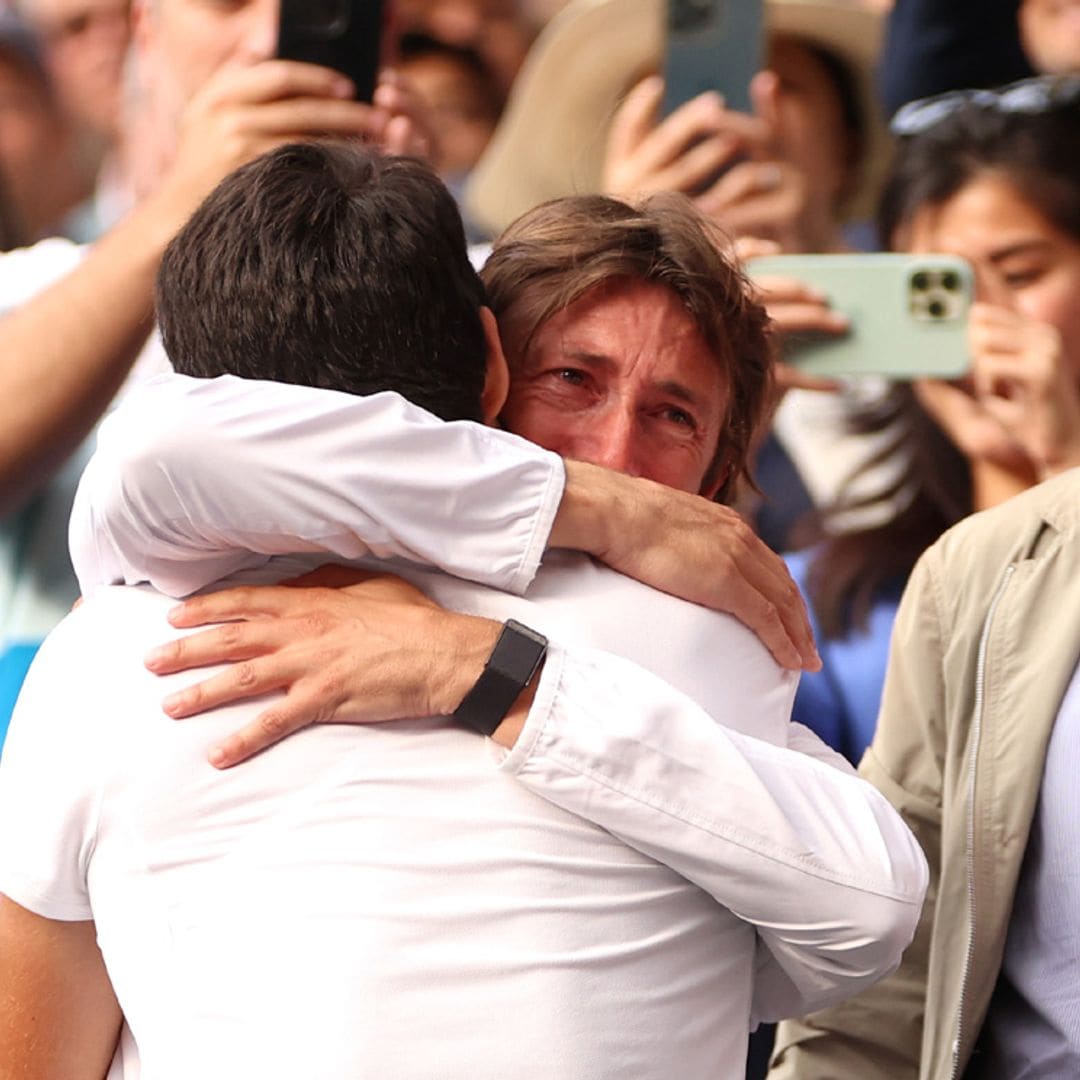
[[346, 35], [712, 45]]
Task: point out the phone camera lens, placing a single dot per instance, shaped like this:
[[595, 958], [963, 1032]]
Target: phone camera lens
[[686, 16], [936, 309], [950, 281], [921, 280]]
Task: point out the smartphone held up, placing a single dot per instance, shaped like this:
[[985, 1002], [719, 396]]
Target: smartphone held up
[[907, 313], [716, 45], [346, 35]]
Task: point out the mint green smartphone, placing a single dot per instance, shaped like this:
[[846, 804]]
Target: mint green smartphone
[[908, 313]]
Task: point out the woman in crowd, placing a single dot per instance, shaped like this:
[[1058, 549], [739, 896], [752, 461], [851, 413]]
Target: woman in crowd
[[992, 176]]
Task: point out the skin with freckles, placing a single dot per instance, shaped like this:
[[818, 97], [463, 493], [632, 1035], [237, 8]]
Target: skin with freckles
[[622, 378], [1017, 415]]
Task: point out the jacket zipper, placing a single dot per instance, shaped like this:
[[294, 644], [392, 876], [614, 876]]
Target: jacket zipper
[[973, 753]]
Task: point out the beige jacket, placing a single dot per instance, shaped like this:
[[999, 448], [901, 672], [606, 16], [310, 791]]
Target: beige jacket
[[985, 644]]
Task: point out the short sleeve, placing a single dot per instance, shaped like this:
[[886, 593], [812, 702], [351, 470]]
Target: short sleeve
[[49, 787]]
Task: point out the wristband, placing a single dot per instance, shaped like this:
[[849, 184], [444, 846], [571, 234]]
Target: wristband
[[510, 668]]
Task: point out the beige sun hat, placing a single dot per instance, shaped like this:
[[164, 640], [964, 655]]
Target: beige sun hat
[[550, 141]]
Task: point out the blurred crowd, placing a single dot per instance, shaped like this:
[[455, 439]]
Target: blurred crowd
[[920, 126]]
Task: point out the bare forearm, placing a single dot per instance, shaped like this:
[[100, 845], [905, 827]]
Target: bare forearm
[[59, 1018], [688, 546], [65, 353]]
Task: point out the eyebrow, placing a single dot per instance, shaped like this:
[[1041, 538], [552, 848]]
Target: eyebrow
[[1021, 247]]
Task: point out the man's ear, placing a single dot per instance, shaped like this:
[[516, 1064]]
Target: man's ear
[[497, 379]]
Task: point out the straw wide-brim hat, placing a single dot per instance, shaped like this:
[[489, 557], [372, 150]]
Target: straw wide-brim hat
[[550, 141]]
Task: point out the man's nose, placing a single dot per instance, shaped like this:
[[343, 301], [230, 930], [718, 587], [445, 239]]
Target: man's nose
[[612, 442]]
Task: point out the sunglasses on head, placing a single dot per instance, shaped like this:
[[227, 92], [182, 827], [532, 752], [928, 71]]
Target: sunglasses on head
[[1037, 95]]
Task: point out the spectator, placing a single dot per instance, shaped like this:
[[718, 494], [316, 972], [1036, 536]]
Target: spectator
[[932, 47], [808, 149], [994, 184], [85, 43], [212, 98], [990, 176], [462, 101], [36, 148], [498, 31]]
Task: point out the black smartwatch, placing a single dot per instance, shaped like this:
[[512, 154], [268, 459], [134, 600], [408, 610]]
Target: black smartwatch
[[510, 668]]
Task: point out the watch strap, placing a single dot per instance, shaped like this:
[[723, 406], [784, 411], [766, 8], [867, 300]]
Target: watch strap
[[513, 662]]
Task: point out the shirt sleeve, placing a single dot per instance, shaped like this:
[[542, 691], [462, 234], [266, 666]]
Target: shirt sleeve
[[195, 479], [27, 271], [788, 838], [49, 785]]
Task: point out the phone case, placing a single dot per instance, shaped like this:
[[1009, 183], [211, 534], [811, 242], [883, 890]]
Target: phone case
[[345, 35], [712, 45], [908, 313]]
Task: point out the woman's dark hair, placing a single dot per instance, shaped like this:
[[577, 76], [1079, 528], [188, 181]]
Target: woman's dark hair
[[11, 234], [1038, 152], [933, 491]]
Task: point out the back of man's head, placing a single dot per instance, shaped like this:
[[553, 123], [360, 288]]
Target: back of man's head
[[325, 264]]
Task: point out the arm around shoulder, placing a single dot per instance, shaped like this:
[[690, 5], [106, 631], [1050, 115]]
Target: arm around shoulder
[[194, 475]]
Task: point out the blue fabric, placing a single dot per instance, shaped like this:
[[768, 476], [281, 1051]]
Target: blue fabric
[[14, 663], [841, 701], [936, 45]]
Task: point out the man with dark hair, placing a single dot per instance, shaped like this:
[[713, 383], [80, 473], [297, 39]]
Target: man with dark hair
[[296, 917], [384, 264]]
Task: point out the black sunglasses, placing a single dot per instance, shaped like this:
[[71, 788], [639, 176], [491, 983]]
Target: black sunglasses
[[1037, 95]]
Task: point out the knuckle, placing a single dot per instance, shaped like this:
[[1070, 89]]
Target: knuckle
[[315, 624], [329, 688], [274, 725], [246, 675], [229, 635]]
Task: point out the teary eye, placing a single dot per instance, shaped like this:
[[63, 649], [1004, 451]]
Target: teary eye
[[574, 376], [679, 416]]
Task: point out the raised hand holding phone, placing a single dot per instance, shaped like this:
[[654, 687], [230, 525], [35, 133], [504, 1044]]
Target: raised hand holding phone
[[712, 46], [907, 315], [346, 35]]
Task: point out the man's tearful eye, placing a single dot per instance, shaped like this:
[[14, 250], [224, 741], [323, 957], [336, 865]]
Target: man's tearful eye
[[573, 376], [681, 417]]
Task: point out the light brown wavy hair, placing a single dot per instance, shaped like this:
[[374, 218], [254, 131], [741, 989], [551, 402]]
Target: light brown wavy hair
[[556, 253]]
